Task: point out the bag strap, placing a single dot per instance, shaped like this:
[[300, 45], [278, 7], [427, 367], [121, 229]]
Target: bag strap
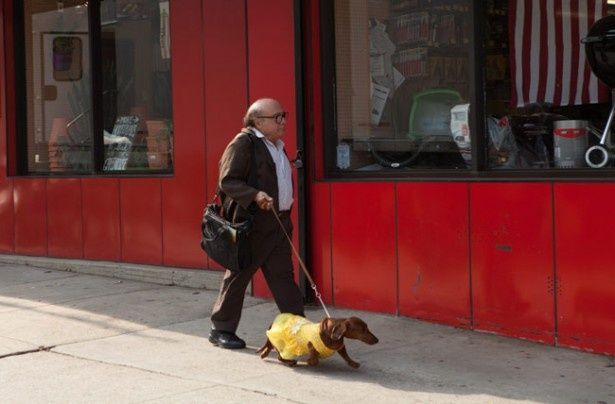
[[252, 174]]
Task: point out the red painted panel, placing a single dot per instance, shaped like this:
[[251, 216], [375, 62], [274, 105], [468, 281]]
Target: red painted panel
[[7, 229], [584, 257], [270, 22], [184, 193], [7, 72], [364, 256], [313, 87], [512, 259], [101, 219], [226, 82], [29, 198], [319, 231], [64, 218], [141, 220], [433, 248]]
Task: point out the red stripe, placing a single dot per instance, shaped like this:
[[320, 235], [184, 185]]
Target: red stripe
[[559, 56], [574, 54], [512, 12], [544, 53], [526, 49], [591, 12]]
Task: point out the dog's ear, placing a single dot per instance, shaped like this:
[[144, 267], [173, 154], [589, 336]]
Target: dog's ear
[[338, 331]]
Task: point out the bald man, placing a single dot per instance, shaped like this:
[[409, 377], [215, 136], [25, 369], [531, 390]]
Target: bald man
[[258, 193]]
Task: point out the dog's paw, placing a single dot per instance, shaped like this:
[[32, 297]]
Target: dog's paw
[[312, 362], [354, 365]]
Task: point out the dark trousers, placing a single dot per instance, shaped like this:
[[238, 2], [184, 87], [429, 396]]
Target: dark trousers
[[277, 268]]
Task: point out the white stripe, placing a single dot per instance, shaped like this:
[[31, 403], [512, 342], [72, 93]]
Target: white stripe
[[582, 20], [566, 73], [593, 80], [551, 45], [519, 51], [535, 62]]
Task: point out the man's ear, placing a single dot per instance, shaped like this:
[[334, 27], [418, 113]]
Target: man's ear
[[338, 330]]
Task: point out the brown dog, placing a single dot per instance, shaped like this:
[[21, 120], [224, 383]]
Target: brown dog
[[294, 336]]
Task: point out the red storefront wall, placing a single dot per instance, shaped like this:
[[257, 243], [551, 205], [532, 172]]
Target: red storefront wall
[[148, 220], [526, 260], [154, 220]]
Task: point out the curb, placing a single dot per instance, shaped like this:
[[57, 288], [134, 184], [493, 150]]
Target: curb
[[170, 276]]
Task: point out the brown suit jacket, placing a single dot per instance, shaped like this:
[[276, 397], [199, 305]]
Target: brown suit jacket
[[235, 166]]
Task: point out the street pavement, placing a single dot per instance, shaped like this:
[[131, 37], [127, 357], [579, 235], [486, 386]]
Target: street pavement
[[75, 338]]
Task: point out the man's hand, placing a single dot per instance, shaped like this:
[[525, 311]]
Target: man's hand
[[263, 200]]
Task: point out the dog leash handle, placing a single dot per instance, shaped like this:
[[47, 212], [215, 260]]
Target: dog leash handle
[[319, 297], [301, 264]]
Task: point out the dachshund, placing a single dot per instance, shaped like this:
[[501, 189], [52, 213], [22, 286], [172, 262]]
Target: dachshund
[[293, 336]]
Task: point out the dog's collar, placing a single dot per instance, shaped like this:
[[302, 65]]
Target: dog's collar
[[322, 349]]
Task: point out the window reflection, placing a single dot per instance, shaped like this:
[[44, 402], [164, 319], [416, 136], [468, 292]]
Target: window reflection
[[58, 91], [136, 69], [543, 103], [133, 105], [402, 84]]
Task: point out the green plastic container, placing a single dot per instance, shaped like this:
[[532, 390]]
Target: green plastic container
[[430, 115]]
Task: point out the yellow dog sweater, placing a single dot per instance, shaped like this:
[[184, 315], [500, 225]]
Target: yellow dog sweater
[[290, 335]]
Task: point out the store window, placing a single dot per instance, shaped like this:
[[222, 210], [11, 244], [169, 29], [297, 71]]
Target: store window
[[545, 108], [93, 86], [401, 95], [401, 85]]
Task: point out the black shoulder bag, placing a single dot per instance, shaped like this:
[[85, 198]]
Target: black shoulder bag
[[226, 241]]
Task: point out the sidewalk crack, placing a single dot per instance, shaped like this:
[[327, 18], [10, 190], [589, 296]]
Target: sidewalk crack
[[29, 351], [83, 358]]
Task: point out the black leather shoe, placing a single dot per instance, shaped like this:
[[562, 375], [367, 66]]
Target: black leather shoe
[[226, 340]]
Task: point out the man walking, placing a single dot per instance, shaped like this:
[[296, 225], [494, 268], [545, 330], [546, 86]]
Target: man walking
[[261, 137]]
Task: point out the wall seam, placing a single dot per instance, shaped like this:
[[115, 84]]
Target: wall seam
[[396, 215], [47, 215], [331, 260], [205, 160], [14, 217], [247, 41], [471, 290], [555, 279], [161, 223], [82, 219], [120, 219]]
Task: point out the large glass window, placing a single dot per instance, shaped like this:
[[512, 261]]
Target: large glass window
[[93, 86], [402, 85], [545, 108], [401, 95]]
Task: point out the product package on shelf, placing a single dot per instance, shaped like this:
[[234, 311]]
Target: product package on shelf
[[411, 62], [411, 28]]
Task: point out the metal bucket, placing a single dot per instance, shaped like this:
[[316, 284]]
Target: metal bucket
[[569, 143]]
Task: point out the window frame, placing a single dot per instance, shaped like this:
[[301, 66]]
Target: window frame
[[19, 166], [479, 170]]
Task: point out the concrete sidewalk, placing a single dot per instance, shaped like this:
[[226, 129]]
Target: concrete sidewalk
[[68, 337]]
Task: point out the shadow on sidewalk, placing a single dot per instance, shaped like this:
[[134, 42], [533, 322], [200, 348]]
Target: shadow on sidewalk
[[50, 308]]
